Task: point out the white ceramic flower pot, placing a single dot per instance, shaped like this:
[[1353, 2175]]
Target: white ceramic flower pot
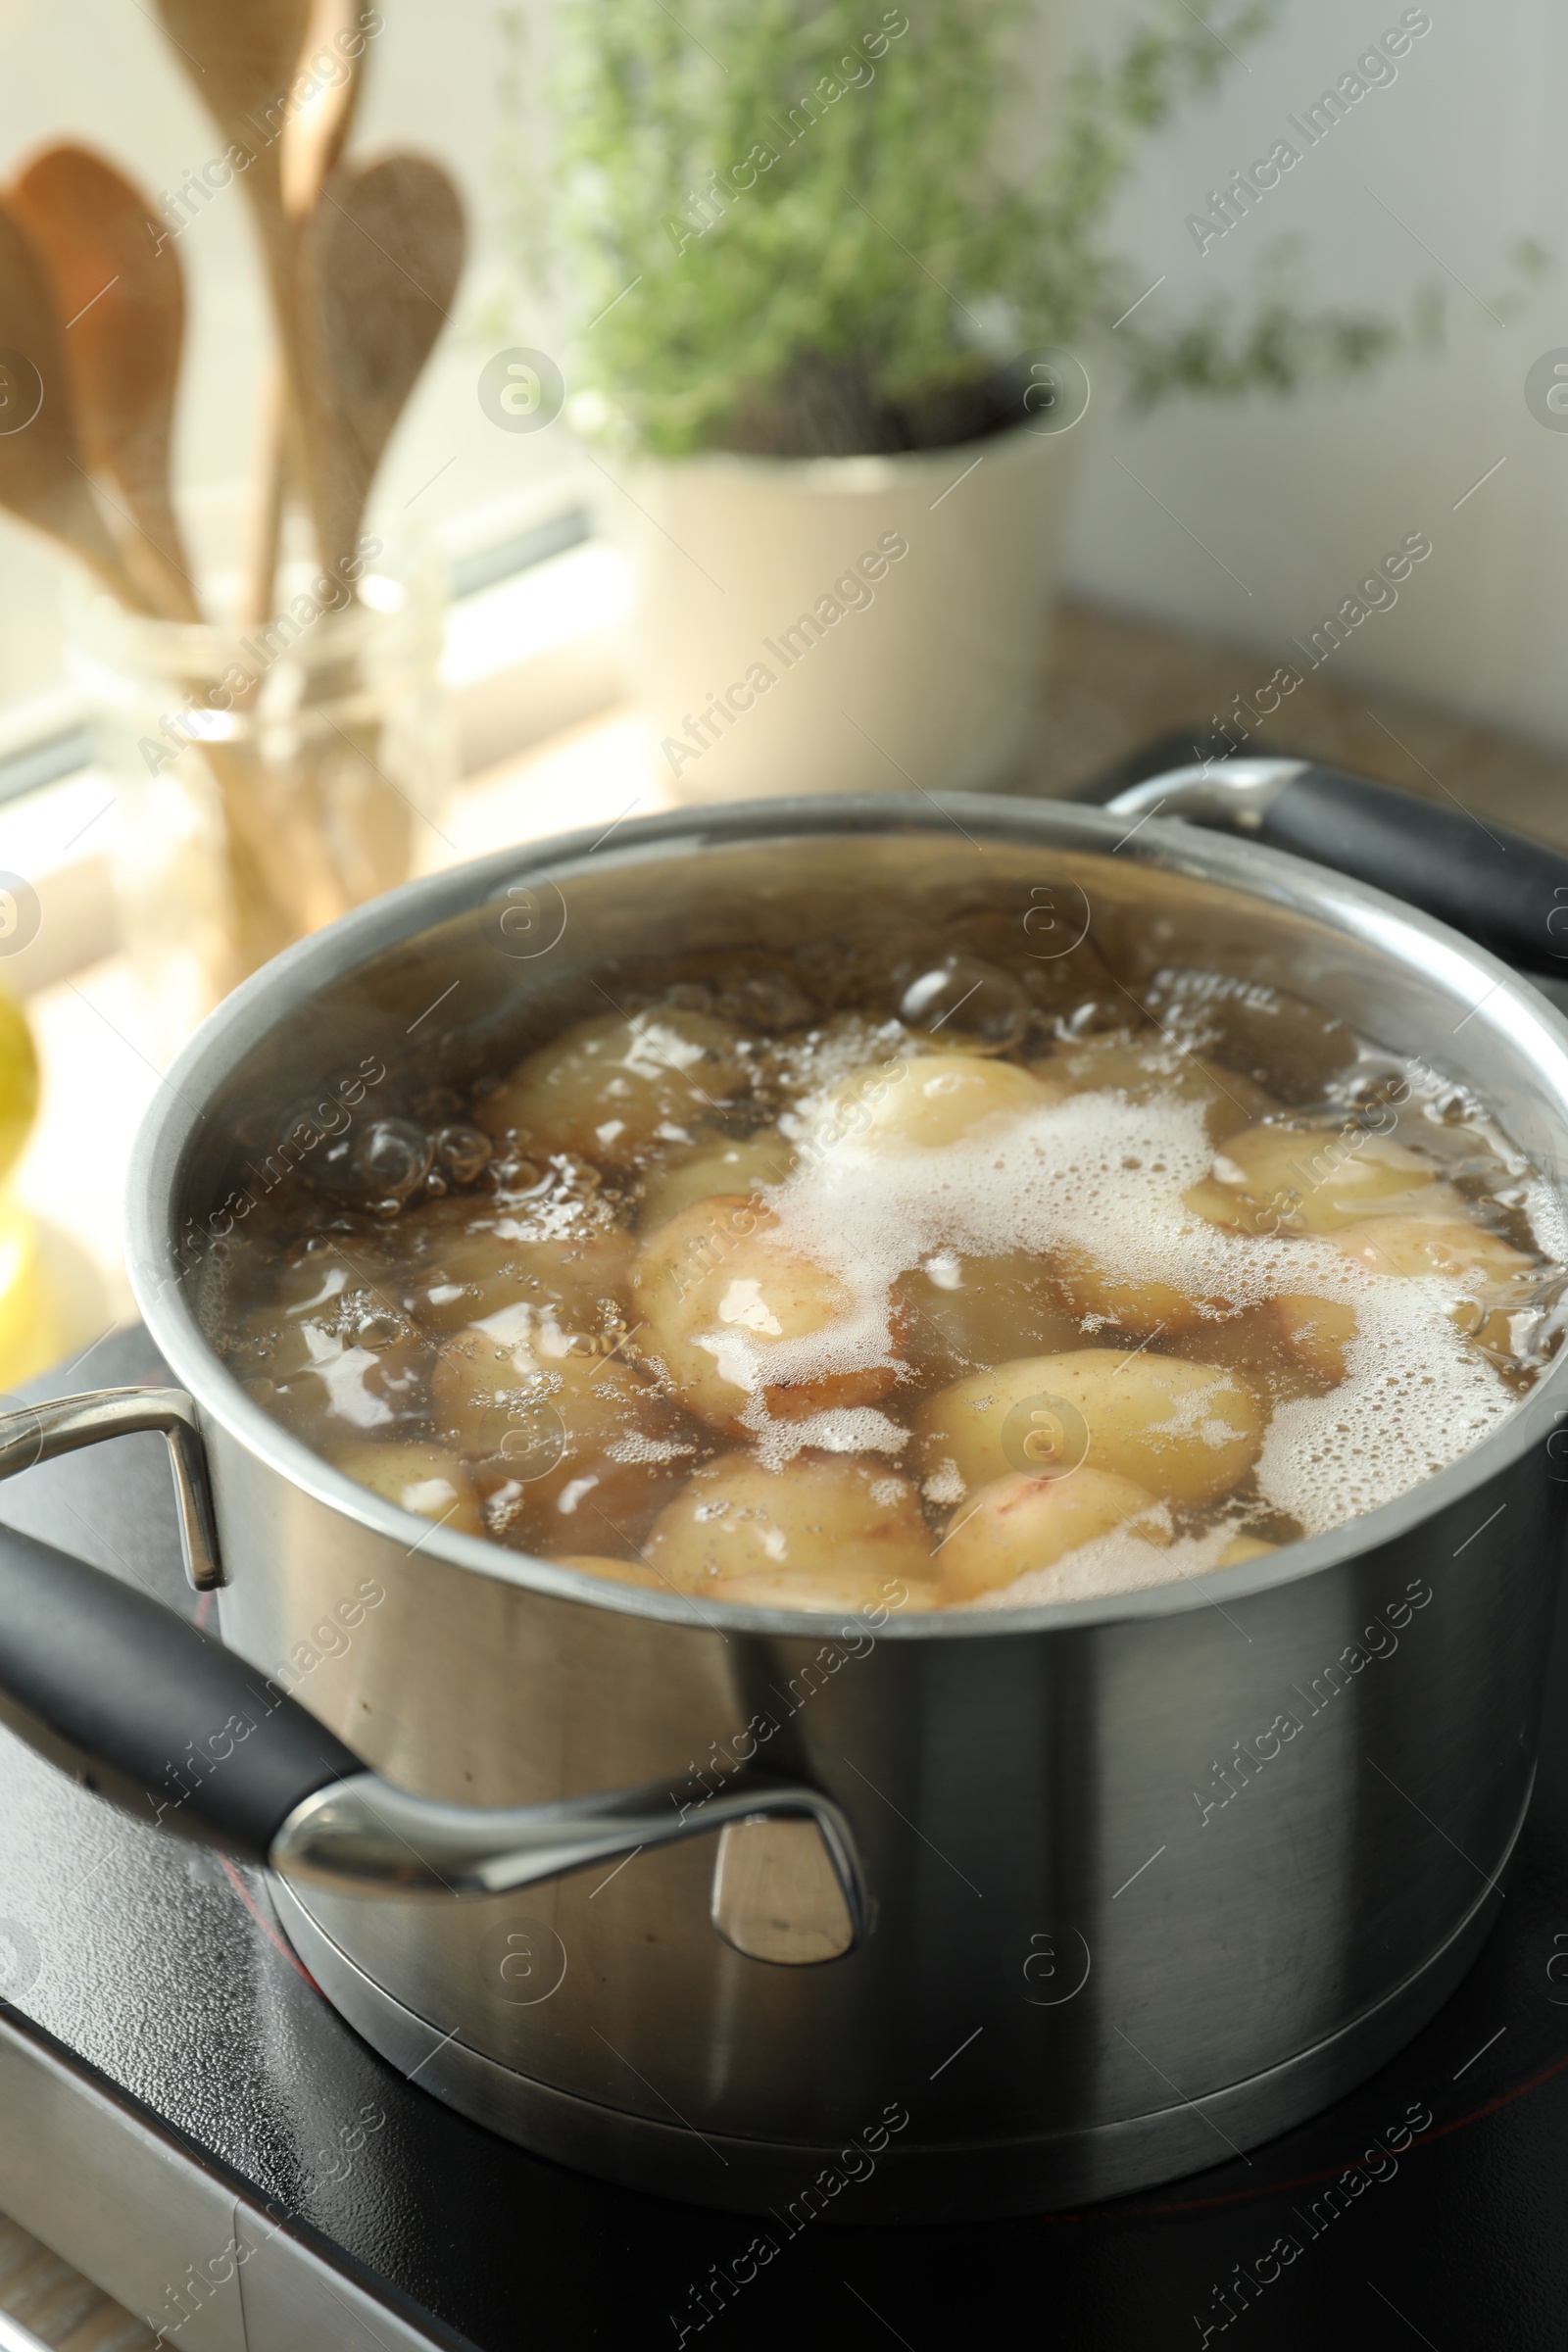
[[840, 625]]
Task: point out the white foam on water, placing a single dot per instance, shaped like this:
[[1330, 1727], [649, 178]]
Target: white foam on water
[[1547, 1219], [635, 1447], [1095, 1173], [1414, 1397], [1101, 1174], [840, 1429], [944, 1485]]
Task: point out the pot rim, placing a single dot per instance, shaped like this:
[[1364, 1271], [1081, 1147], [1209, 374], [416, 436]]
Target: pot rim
[[1438, 954], [869, 473]]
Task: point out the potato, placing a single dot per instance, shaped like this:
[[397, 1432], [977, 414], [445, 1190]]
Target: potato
[[928, 1101], [967, 1312], [1254, 1343], [1454, 1247], [1495, 1274], [714, 1164], [717, 1296], [462, 1262], [1018, 1523], [559, 1430], [1137, 1302], [512, 1351], [312, 1284], [1499, 1279], [1319, 1330], [609, 1087], [1146, 1067], [1243, 1547], [1312, 1180], [845, 1588], [1187, 1432], [1494, 1330], [324, 1281], [624, 1572], [845, 1530], [423, 1478], [325, 1382], [607, 1501]]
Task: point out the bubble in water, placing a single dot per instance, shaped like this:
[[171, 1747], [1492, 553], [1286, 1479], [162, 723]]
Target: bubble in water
[[527, 1434], [967, 1001], [464, 1151], [767, 1001], [378, 1329], [392, 1159]]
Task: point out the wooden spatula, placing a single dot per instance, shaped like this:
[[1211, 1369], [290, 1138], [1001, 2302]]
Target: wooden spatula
[[122, 301], [379, 266], [313, 140], [319, 129], [43, 467], [243, 57]]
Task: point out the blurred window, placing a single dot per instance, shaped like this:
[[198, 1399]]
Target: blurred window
[[101, 73]]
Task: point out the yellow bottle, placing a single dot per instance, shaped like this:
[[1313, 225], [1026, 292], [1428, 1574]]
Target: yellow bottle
[[29, 1337]]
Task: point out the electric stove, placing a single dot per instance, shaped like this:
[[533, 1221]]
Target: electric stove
[[184, 2118]]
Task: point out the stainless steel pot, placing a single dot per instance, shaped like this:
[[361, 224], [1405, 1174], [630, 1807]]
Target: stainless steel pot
[[982, 1912]]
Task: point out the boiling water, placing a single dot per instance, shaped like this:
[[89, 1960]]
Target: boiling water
[[905, 1272]]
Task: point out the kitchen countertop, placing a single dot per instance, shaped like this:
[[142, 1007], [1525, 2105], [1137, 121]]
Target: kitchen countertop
[[1119, 683]]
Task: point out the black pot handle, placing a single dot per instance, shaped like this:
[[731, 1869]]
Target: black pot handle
[[1501, 889], [145, 1708], [157, 1716]]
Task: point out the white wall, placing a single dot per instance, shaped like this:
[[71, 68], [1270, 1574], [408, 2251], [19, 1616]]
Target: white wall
[[1298, 497]]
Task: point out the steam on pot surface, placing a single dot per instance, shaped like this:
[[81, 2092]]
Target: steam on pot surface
[[903, 1269]]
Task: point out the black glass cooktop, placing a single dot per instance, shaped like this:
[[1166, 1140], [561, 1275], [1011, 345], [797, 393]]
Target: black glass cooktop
[[1428, 2207]]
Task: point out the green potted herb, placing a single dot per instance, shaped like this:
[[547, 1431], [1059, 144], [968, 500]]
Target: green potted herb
[[830, 325]]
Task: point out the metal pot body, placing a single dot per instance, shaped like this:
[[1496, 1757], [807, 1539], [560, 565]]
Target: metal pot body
[[1152, 1877]]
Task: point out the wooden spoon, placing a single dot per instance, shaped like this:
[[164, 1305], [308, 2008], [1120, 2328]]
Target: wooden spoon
[[43, 472], [243, 57], [380, 263], [313, 140], [90, 219], [120, 289], [318, 130]]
